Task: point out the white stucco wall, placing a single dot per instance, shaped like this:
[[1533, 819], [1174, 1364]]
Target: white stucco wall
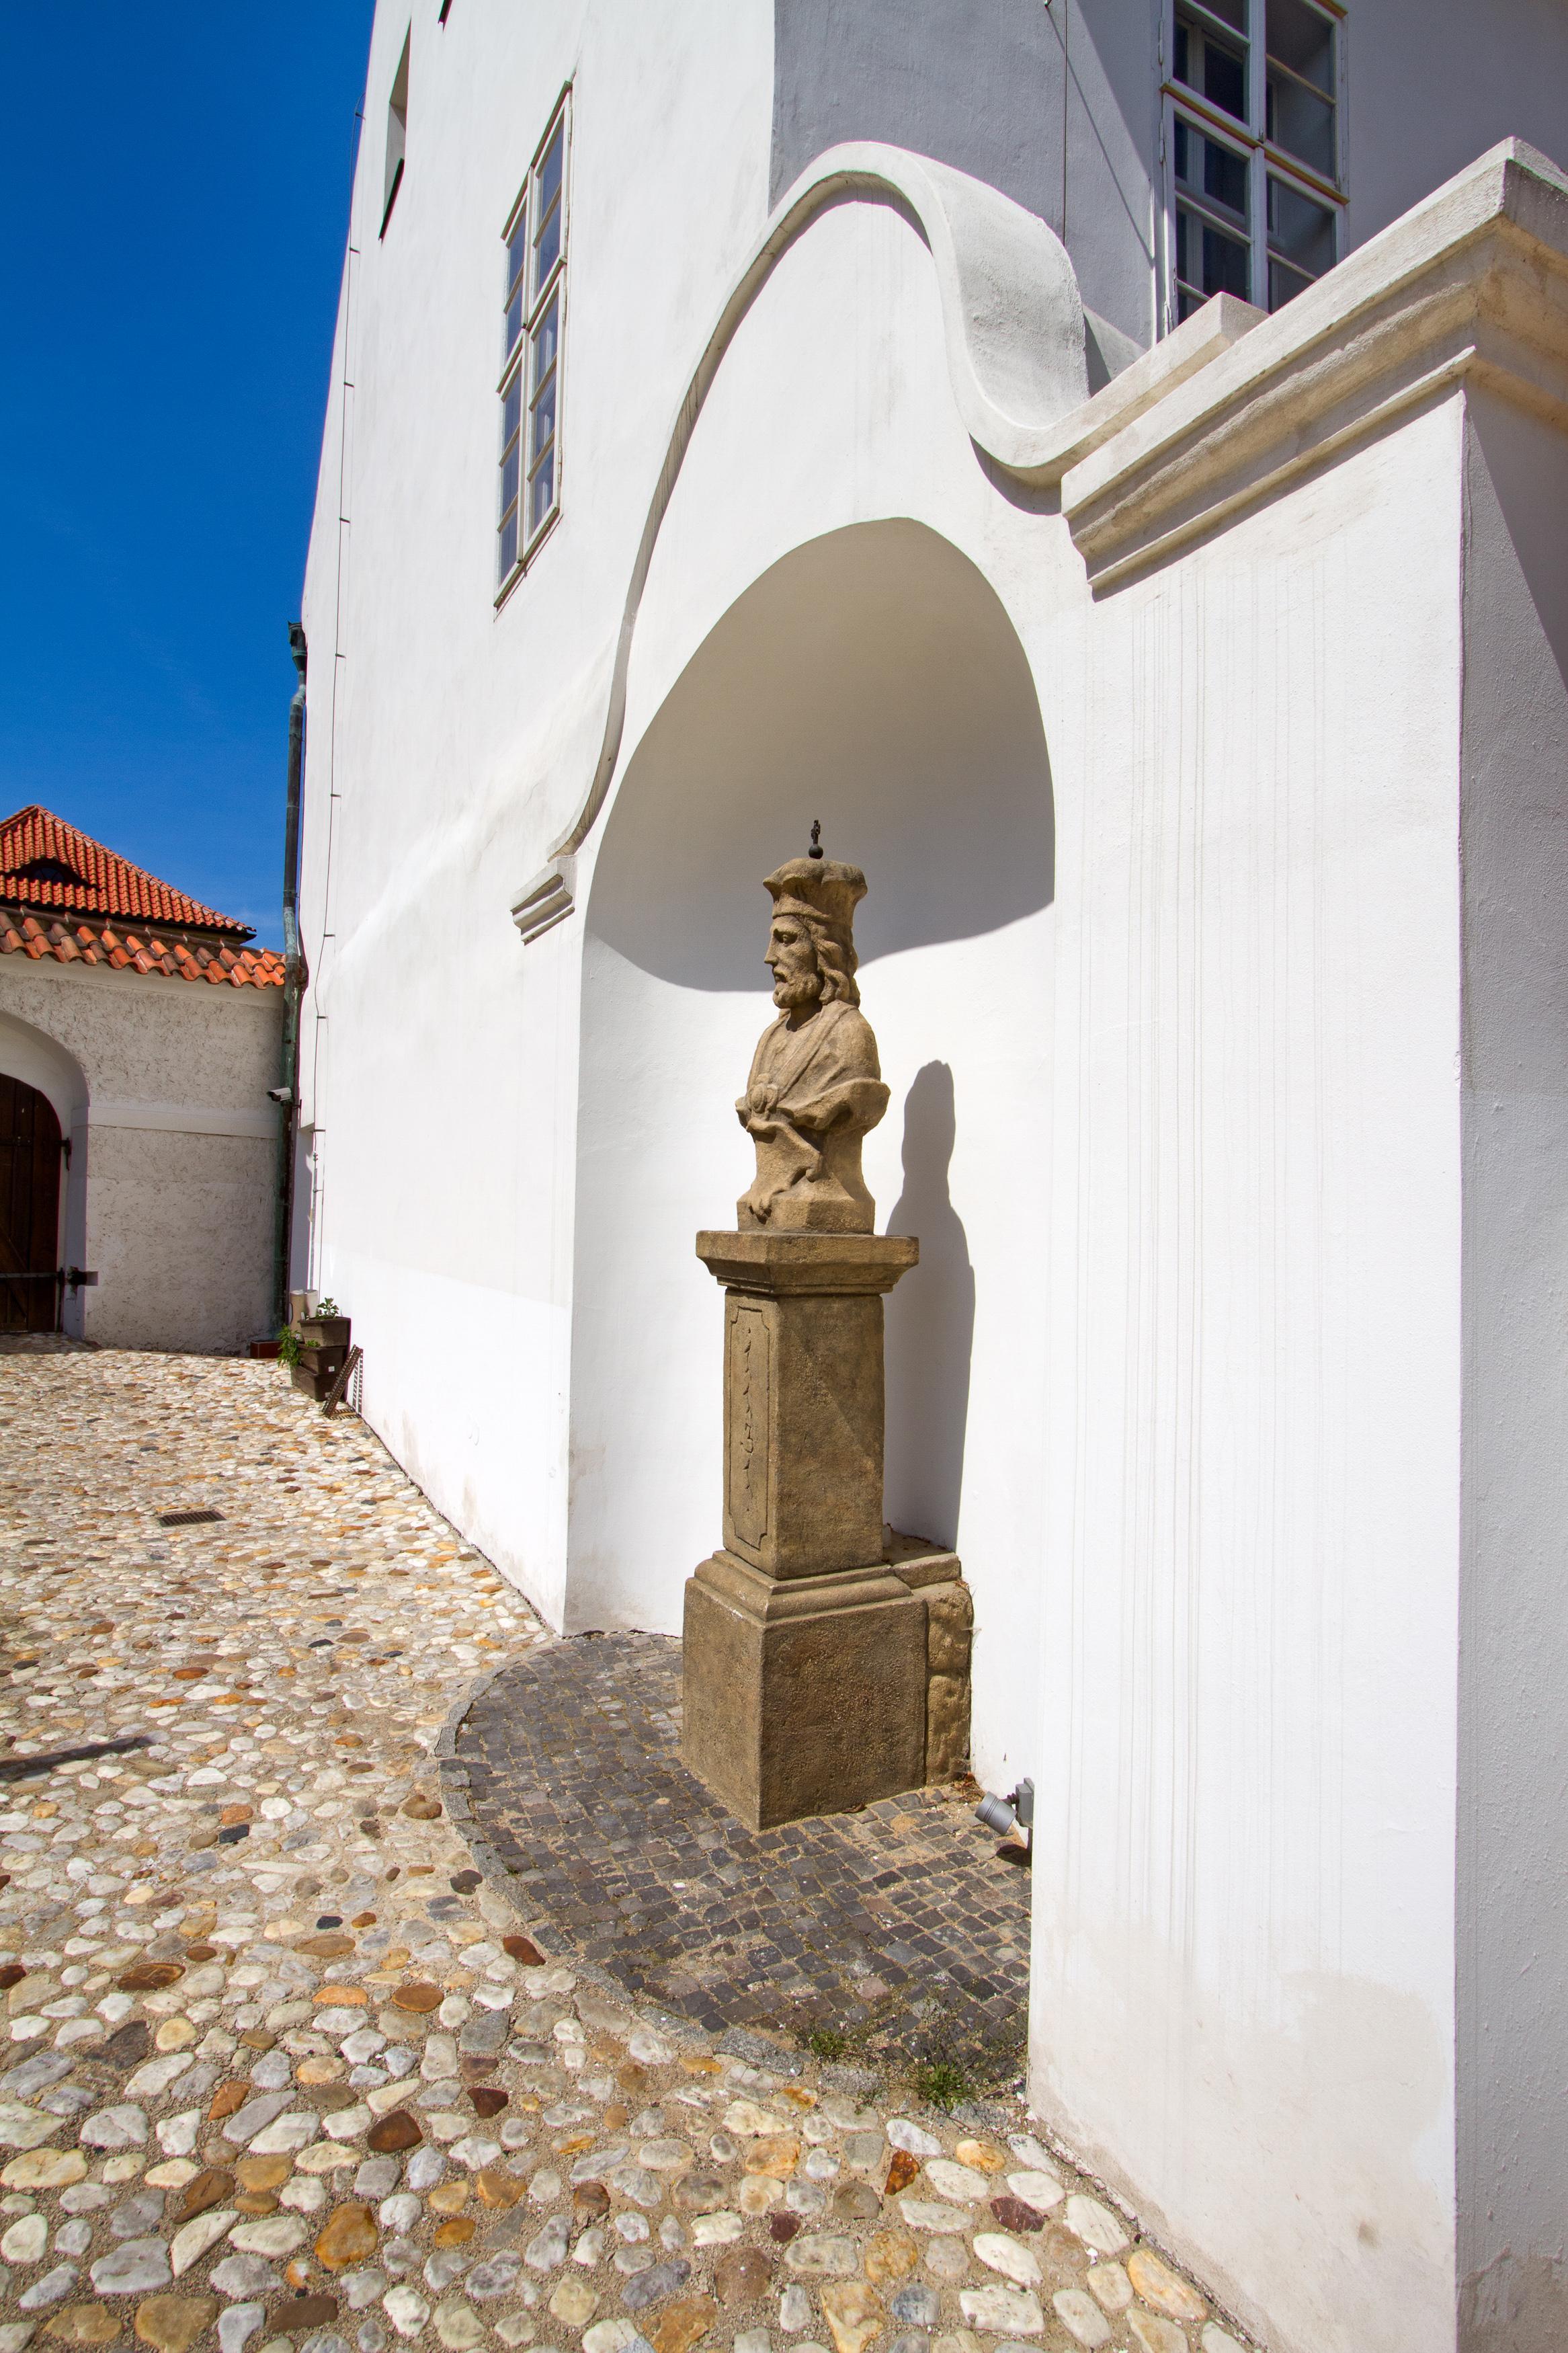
[[1512, 1946], [171, 1198], [1251, 1481], [444, 748]]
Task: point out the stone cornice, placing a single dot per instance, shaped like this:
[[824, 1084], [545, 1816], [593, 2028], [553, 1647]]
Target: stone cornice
[[1472, 285]]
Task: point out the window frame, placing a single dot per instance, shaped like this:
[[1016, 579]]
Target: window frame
[[1264, 159], [396, 150], [519, 359]]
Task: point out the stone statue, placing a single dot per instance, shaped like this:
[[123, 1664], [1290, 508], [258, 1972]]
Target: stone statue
[[815, 1087]]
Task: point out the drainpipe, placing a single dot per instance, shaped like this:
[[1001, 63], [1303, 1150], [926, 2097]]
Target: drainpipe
[[287, 1096]]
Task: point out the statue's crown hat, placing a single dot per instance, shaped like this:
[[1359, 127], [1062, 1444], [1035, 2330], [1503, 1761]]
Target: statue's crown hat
[[820, 887]]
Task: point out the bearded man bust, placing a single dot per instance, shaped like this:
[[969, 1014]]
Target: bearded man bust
[[815, 1088]]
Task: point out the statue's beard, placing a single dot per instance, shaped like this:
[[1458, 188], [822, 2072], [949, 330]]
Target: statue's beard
[[791, 995]]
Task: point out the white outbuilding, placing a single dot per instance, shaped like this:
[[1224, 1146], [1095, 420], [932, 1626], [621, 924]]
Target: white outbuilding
[[140, 1036], [1108, 463]]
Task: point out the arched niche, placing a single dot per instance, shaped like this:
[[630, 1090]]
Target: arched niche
[[871, 679]]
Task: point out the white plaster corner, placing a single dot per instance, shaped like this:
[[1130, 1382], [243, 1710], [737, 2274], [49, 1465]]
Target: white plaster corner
[[547, 901]]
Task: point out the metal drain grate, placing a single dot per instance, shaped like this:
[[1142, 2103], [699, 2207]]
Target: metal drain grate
[[186, 1519]]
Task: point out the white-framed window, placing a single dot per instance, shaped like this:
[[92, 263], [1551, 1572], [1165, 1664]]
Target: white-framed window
[[1254, 150], [535, 314], [397, 133]]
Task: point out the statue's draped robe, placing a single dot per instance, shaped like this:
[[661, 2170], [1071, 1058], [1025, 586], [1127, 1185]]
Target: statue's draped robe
[[813, 1093]]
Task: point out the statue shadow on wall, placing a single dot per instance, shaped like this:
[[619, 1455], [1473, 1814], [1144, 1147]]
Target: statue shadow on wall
[[930, 1324]]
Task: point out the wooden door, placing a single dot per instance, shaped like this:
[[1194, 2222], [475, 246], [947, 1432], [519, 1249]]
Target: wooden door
[[29, 1208]]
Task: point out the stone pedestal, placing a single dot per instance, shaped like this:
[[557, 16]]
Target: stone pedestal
[[806, 1662]]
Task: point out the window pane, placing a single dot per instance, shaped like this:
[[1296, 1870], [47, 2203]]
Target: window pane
[[543, 497], [549, 167], [512, 408], [506, 551], [546, 340], [542, 428], [1208, 261], [1300, 230], [1211, 170], [1302, 123], [1298, 38], [509, 475], [1229, 12], [517, 250], [1216, 68], [549, 244], [513, 322], [1284, 283]]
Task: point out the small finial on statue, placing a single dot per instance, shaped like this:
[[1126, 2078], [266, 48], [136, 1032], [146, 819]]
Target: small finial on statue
[[816, 849]]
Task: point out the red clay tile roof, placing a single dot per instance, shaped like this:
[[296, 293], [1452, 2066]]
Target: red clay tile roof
[[49, 866], [138, 948]]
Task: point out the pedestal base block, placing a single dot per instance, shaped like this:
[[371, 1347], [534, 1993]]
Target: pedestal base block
[[804, 1695]]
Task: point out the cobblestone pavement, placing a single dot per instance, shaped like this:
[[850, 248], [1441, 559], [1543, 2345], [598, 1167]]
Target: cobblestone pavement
[[901, 1930], [283, 2073]]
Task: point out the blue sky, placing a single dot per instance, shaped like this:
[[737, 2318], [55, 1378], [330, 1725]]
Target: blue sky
[[175, 184]]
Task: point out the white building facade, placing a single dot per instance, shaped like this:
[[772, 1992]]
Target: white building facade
[[750, 415]]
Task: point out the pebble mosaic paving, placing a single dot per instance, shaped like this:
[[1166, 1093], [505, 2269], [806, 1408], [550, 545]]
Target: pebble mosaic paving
[[282, 2072], [902, 1928]]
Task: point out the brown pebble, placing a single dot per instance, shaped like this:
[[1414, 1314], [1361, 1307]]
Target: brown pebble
[[201, 1952], [302, 2312], [456, 2232], [499, 2189], [421, 1809], [1014, 2215], [397, 2130], [350, 2236], [227, 2100], [417, 1994], [83, 2324], [172, 2324], [149, 1977], [210, 2188], [741, 2274], [330, 2097], [363, 1920], [681, 2324], [263, 2172], [522, 1949], [633, 2077], [448, 2197], [783, 2227], [902, 2171], [589, 2201], [487, 2099], [256, 2201], [128, 2045], [11, 1973], [330, 1947]]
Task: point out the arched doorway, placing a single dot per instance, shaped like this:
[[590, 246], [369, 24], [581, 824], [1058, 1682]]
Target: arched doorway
[[873, 678], [30, 1157]]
